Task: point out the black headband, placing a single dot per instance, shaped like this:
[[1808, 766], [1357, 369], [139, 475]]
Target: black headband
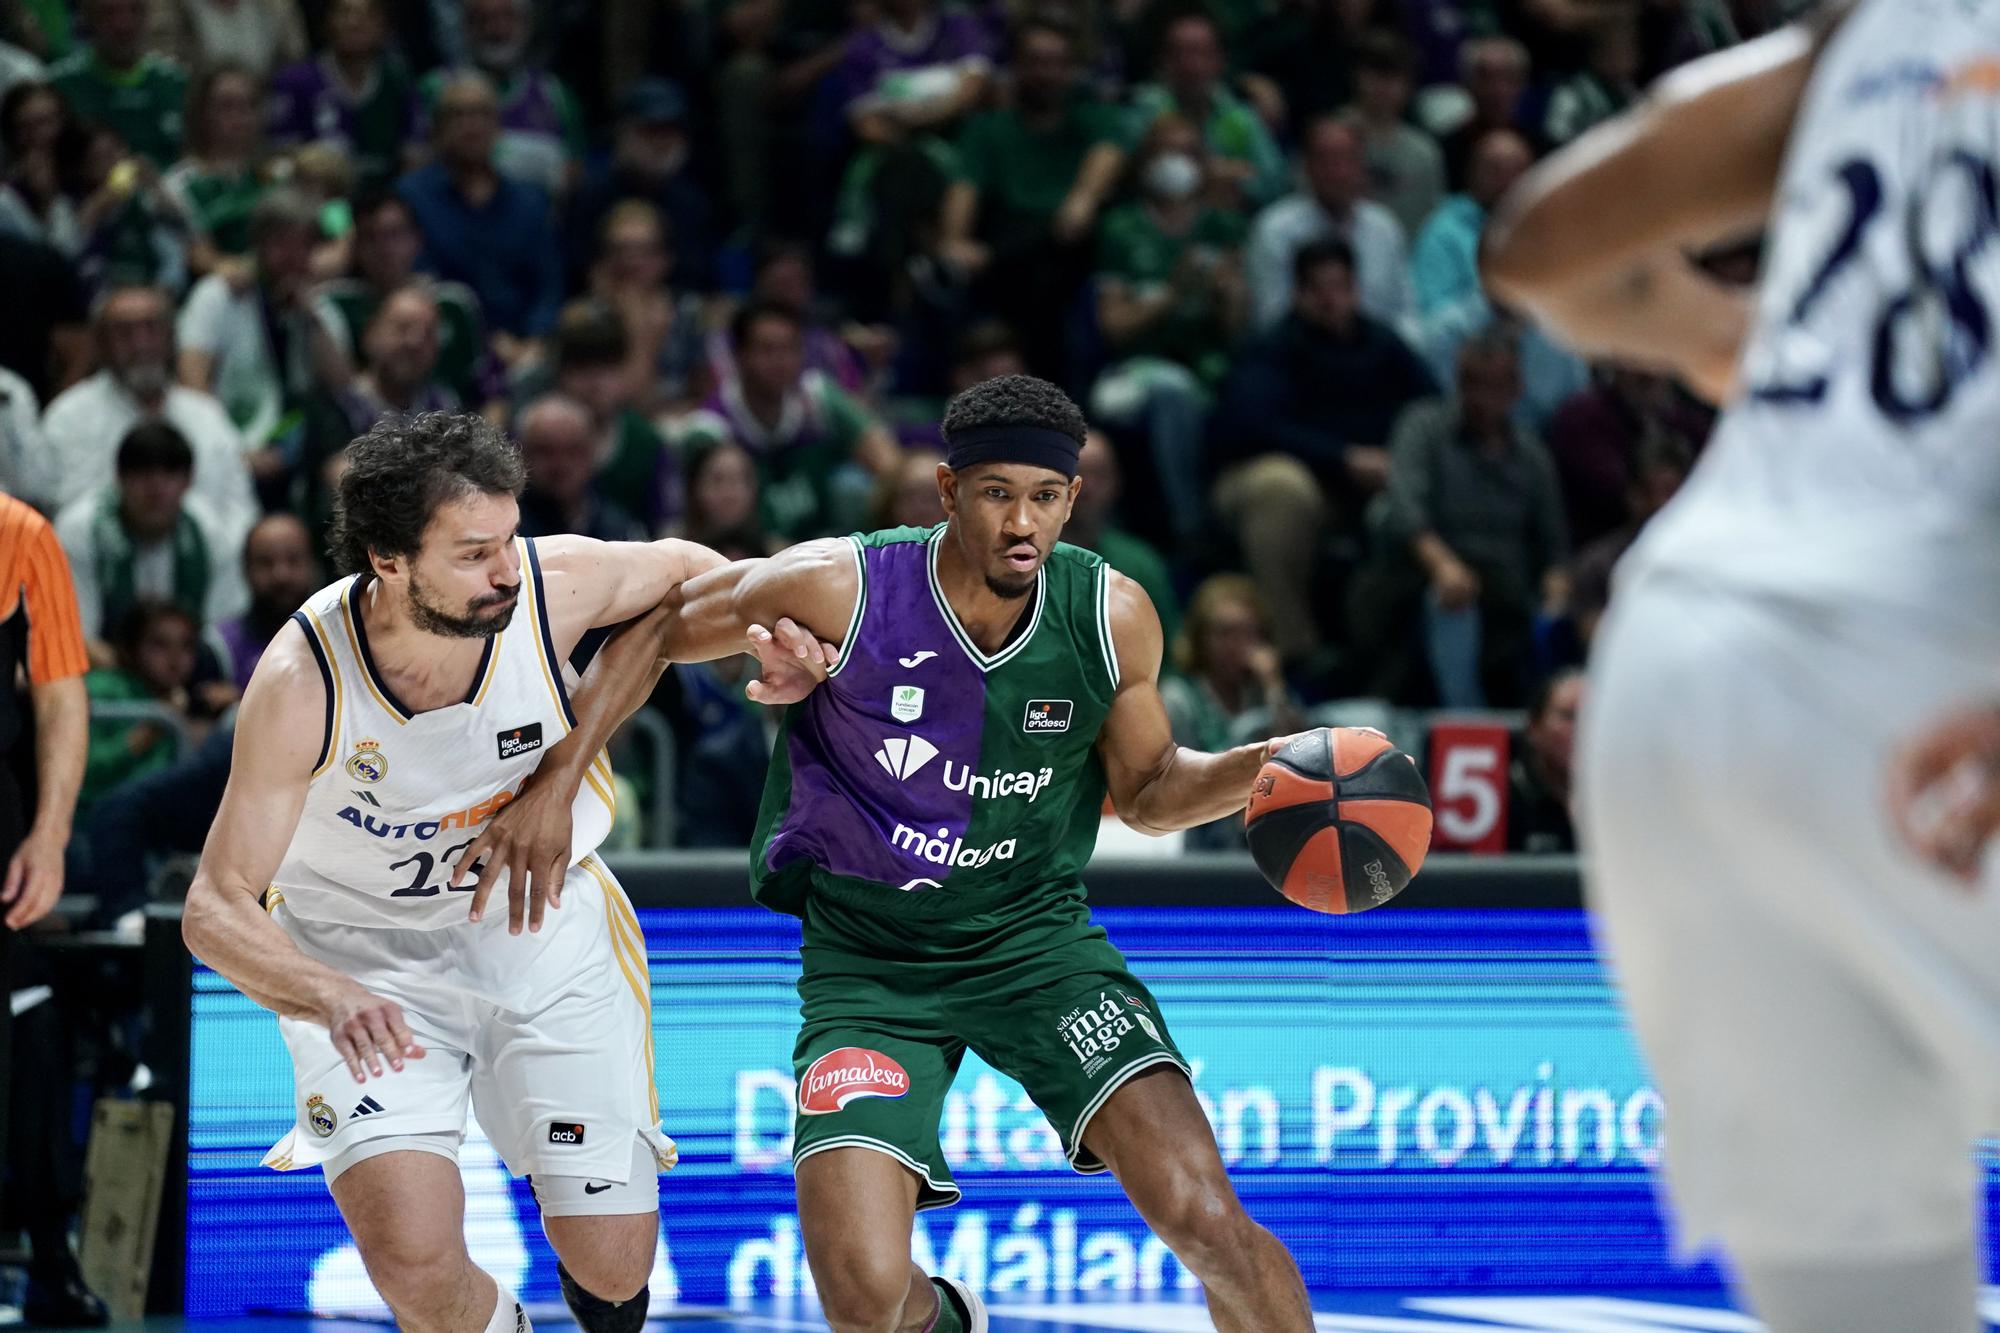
[[1034, 446]]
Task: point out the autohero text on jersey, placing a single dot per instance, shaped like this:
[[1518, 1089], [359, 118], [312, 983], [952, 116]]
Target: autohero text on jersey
[[424, 830]]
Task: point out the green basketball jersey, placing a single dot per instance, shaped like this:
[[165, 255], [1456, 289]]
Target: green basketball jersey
[[927, 778]]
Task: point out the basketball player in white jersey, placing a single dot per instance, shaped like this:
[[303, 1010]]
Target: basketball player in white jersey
[[1820, 1007], [399, 709]]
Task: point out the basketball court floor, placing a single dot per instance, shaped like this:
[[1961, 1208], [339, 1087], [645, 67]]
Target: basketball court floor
[[1373, 1312]]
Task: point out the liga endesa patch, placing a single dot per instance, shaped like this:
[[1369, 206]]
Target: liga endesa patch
[[1045, 716], [839, 1076]]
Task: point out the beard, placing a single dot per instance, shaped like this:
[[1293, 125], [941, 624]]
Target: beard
[[1007, 587], [147, 380], [267, 615], [431, 618]]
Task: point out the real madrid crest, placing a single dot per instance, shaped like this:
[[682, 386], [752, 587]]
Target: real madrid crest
[[367, 763], [319, 1115]]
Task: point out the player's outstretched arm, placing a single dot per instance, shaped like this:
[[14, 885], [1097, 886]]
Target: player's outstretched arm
[[1158, 787], [225, 924], [587, 583], [806, 592], [1593, 242]]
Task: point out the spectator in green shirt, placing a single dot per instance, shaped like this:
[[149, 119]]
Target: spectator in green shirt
[[116, 81], [385, 249], [1170, 303], [354, 96], [590, 360], [817, 450], [74, 187], [218, 182], [541, 140], [1606, 85], [1227, 684], [132, 230], [155, 663], [1032, 177], [1193, 81]]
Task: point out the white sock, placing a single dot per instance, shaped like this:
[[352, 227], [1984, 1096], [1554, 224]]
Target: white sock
[[1935, 1295], [509, 1315]]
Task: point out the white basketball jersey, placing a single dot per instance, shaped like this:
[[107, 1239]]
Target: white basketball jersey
[[397, 797], [1862, 458]]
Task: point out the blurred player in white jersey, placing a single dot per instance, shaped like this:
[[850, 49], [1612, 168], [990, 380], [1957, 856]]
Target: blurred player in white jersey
[[401, 707], [1819, 1003]]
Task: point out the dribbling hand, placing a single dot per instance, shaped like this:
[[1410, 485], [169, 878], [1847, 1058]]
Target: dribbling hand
[[368, 1030], [1944, 791]]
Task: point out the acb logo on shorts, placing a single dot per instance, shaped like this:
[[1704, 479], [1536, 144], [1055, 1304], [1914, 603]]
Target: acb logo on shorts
[[839, 1076], [567, 1134]]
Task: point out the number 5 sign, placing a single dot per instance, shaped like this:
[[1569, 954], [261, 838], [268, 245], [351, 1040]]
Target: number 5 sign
[[1469, 762]]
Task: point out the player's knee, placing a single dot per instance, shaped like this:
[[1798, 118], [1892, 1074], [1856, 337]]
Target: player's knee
[[610, 1275], [863, 1293], [415, 1274], [610, 1256], [1203, 1224]]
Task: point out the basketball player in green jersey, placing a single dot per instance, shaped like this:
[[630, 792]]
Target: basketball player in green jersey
[[929, 812]]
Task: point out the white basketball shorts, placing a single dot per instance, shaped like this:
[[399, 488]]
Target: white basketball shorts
[[547, 1036], [1820, 1009]]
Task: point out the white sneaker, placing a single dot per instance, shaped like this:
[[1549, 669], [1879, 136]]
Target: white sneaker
[[971, 1308]]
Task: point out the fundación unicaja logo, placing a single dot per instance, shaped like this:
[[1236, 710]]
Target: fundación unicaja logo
[[906, 703]]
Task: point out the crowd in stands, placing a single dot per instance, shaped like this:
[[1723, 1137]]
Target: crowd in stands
[[717, 265]]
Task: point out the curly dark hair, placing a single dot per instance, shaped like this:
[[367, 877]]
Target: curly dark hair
[[403, 469], [1014, 400]]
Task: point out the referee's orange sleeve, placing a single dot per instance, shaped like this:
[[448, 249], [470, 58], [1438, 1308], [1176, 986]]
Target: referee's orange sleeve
[[36, 565]]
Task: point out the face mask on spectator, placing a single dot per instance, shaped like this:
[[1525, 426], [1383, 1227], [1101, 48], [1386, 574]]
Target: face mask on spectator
[[1173, 176]]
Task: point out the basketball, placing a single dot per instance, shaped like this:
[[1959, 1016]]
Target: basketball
[[1339, 819]]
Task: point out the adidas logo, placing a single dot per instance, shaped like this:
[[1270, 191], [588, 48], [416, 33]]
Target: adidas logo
[[367, 1106], [902, 758]]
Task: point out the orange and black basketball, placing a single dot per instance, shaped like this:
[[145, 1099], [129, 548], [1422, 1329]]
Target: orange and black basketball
[[1339, 819]]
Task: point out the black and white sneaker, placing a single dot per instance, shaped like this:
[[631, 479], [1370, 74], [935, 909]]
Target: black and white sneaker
[[971, 1309]]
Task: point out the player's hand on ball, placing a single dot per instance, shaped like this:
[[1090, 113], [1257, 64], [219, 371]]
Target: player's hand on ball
[[1944, 791], [368, 1030], [793, 662], [528, 841]]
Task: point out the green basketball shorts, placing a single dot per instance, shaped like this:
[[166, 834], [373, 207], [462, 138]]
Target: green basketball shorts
[[890, 1007]]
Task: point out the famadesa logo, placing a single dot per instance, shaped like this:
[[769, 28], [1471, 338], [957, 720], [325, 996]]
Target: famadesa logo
[[839, 1076]]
